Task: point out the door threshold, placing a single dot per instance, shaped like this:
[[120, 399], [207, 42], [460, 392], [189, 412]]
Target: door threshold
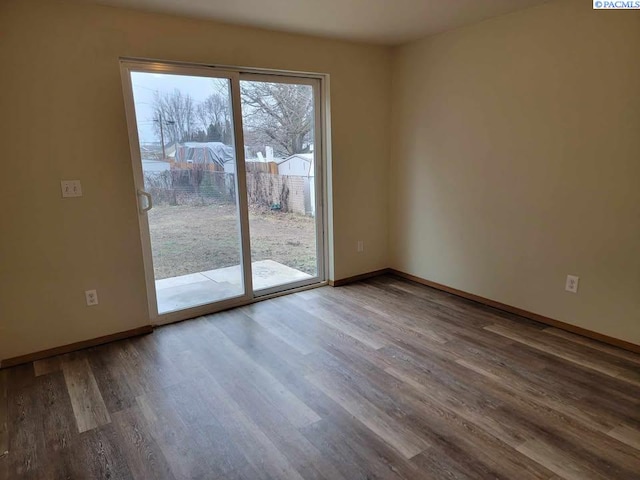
[[200, 311]]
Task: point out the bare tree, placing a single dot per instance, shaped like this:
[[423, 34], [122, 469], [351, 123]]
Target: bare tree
[[175, 113], [278, 114], [214, 115], [275, 114], [214, 110]]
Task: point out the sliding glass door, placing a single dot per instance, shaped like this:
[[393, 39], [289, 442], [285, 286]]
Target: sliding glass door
[[227, 171], [279, 117]]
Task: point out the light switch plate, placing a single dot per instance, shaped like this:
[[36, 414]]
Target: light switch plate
[[71, 188]]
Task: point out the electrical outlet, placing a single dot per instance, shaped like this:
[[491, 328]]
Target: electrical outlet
[[71, 188], [92, 297], [360, 246], [572, 284]]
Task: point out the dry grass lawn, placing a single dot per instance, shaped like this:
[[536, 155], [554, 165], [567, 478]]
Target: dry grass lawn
[[190, 238]]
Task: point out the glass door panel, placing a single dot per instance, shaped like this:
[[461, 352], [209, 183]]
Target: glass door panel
[[228, 172], [189, 191], [279, 117]]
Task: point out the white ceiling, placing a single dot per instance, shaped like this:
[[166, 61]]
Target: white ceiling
[[388, 22]]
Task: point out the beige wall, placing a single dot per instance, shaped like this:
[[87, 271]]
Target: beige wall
[[516, 161], [63, 118]]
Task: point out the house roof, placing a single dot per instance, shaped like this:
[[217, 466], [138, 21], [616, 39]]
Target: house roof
[[307, 157], [216, 152]]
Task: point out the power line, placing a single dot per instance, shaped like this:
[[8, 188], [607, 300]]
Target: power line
[[146, 88]]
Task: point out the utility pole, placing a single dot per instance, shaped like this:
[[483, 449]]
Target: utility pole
[[159, 120], [162, 123]]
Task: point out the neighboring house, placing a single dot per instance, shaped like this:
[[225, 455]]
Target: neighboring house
[[295, 171], [150, 151], [299, 164], [253, 165], [170, 150], [230, 166], [257, 164], [216, 154]]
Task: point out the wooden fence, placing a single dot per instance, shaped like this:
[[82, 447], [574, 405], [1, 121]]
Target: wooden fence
[[285, 193]]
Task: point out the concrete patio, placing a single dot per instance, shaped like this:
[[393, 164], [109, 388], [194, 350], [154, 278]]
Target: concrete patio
[[186, 291]]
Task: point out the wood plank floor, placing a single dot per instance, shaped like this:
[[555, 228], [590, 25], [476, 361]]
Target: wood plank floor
[[382, 379]]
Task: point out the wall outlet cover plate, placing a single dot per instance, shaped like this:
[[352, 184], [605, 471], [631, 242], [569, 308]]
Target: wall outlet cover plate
[[572, 283]]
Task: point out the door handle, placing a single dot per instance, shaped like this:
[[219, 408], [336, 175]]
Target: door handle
[[142, 193]]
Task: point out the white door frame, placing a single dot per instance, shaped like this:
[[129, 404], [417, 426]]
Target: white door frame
[[234, 74], [318, 175]]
